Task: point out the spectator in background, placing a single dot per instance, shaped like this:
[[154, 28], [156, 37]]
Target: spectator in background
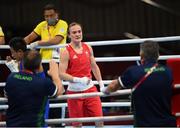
[[52, 31], [76, 63], [2, 40], [27, 93], [151, 85]]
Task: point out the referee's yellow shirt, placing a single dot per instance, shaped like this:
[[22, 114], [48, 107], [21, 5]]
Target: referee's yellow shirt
[[1, 32], [47, 32]]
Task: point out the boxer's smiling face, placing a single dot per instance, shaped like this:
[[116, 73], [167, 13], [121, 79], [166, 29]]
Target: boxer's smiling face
[[75, 33]]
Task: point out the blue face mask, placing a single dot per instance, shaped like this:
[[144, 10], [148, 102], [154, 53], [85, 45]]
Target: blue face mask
[[52, 21]]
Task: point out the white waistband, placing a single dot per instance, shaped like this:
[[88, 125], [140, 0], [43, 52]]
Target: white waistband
[[76, 87]]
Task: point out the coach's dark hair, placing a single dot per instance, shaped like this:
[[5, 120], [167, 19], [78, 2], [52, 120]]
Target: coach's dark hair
[[32, 60], [150, 50], [49, 7], [18, 43]]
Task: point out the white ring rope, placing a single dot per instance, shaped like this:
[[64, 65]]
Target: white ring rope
[[114, 59], [104, 104], [113, 42], [177, 86], [85, 95], [85, 119], [61, 105], [2, 123], [177, 114], [88, 119], [3, 99], [91, 119], [131, 58], [2, 84], [2, 107]]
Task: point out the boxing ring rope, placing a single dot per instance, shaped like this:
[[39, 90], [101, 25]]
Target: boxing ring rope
[[177, 114], [177, 85], [2, 84], [104, 104], [113, 42], [90, 119], [61, 105], [110, 59], [85, 95], [85, 119], [116, 59]]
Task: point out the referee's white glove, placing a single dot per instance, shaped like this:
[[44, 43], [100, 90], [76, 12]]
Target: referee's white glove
[[12, 65], [82, 80], [33, 45]]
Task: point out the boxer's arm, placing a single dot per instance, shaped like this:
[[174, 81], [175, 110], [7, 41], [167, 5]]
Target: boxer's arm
[[63, 65], [53, 72], [95, 69]]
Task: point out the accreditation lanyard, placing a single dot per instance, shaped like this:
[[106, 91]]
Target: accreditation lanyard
[[145, 76], [49, 33], [27, 71]]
